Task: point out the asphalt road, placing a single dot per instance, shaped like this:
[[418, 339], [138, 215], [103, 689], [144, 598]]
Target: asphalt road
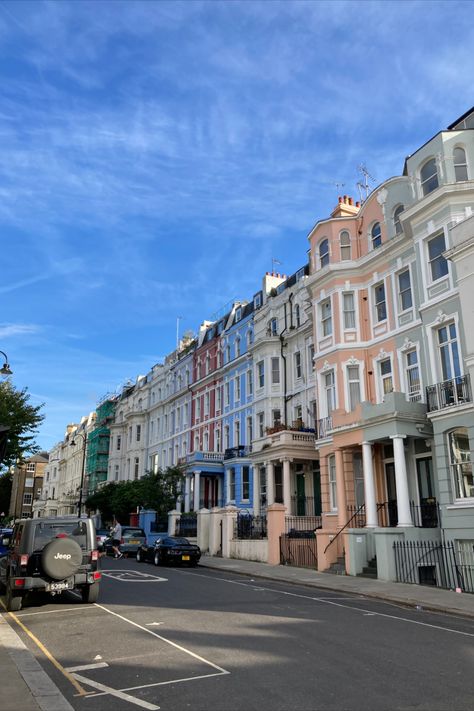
[[199, 639]]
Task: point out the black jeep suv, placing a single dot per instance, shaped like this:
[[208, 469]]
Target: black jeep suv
[[50, 555]]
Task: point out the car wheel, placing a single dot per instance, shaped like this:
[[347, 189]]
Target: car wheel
[[156, 559], [90, 593], [13, 602], [139, 557]]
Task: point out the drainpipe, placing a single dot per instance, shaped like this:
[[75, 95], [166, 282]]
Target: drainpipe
[[283, 345]]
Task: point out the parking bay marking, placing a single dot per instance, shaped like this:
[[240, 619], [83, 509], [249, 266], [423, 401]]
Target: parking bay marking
[[132, 576], [103, 690]]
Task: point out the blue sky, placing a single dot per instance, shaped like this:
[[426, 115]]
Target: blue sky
[[156, 156]]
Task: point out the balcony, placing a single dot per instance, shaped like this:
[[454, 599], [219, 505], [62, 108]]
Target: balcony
[[449, 393], [323, 427], [236, 452]]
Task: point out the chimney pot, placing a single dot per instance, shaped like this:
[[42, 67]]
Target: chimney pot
[[357, 203], [339, 199], [345, 199], [351, 201]]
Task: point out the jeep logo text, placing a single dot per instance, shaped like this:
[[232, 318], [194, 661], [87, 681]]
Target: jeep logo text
[[62, 556]]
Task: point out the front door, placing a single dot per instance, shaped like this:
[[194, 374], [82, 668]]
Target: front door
[[391, 493], [317, 489], [300, 495], [424, 475]]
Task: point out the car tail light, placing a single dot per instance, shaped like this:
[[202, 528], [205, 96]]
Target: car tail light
[[19, 582], [24, 559], [97, 575], [95, 555], [122, 540]]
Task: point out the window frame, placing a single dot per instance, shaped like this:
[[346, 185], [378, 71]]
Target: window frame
[[376, 235], [427, 183], [326, 317], [275, 370], [436, 258], [332, 483], [346, 311], [323, 255], [396, 219], [378, 303], [347, 246], [462, 165], [403, 291], [457, 466]]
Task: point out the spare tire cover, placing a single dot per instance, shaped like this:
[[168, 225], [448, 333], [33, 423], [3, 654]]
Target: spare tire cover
[[61, 558]]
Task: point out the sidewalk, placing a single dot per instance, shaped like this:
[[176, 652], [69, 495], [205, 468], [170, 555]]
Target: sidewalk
[[24, 685], [418, 596]]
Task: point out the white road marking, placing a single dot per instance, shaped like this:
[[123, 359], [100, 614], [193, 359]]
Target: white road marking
[[159, 683], [163, 639], [329, 601], [49, 612], [132, 576], [85, 667], [116, 692], [154, 624]]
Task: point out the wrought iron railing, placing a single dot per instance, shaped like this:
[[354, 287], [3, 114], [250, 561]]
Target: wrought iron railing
[[187, 526], [425, 515], [302, 505], [432, 563], [302, 526], [449, 393], [235, 452], [249, 527]]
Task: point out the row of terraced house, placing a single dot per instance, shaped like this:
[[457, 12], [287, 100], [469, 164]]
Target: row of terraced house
[[341, 394]]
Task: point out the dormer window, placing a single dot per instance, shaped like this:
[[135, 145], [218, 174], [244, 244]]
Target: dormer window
[[324, 253], [429, 177], [257, 300], [396, 219], [460, 164], [345, 243], [238, 313], [376, 235]]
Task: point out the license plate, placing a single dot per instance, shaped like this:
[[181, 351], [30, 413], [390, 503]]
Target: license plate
[[64, 585], [185, 557], [134, 543]]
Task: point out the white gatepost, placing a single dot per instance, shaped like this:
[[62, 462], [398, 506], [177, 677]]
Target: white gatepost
[[203, 530], [215, 530], [173, 517], [228, 518]]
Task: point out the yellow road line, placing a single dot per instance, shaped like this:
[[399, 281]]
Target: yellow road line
[[81, 691]]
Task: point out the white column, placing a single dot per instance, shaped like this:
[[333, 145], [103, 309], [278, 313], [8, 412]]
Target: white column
[[286, 486], [401, 481], [187, 494], [256, 489], [270, 483], [369, 486], [340, 489], [197, 489]]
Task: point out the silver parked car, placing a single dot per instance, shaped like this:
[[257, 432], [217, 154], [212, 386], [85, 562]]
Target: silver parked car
[[132, 538]]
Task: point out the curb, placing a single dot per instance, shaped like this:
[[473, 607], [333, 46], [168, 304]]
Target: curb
[[410, 603], [43, 690]]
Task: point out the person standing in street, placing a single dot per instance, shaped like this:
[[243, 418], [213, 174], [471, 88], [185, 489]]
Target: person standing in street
[[116, 538]]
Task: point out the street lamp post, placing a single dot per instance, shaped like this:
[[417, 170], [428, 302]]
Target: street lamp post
[[73, 444], [5, 369]]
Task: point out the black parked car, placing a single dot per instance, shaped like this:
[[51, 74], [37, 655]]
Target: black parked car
[[50, 555], [170, 549]]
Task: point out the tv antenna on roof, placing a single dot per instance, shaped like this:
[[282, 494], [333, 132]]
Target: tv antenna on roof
[[364, 186], [274, 261]]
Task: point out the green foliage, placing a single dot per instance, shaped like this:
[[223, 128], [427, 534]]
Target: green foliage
[[21, 421], [153, 491]]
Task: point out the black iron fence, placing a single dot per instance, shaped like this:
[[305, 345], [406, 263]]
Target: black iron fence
[[455, 391], [302, 526], [433, 563], [249, 527], [186, 526], [425, 515], [299, 550]]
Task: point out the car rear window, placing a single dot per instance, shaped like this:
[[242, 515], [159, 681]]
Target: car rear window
[[133, 533], [176, 541], [46, 532]]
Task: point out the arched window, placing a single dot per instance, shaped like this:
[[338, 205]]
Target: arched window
[[396, 219], [345, 243], [237, 347], [249, 338], [460, 165], [429, 177], [376, 235], [324, 253]]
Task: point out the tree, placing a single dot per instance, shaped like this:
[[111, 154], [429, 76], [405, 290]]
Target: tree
[[158, 491], [19, 422]]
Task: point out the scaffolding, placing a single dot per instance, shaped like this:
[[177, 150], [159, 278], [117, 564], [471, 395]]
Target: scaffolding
[[98, 445]]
